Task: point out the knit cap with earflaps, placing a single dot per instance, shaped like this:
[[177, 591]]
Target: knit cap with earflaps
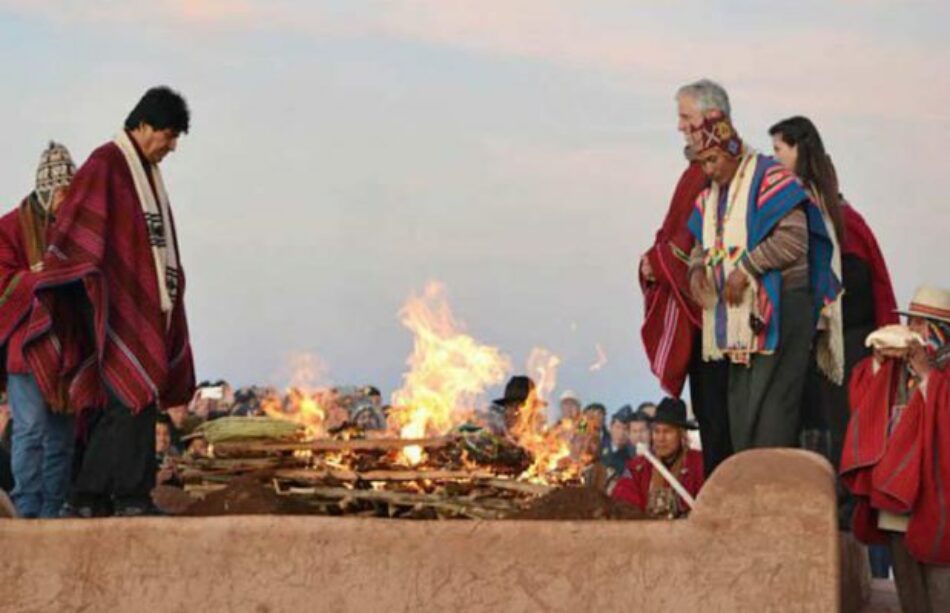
[[55, 170]]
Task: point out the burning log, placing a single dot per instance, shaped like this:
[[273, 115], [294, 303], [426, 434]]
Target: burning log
[[236, 449]]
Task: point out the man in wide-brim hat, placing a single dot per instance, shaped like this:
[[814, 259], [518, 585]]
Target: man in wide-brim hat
[[643, 486], [895, 460], [506, 411]]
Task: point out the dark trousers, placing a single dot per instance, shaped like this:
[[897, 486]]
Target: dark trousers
[[921, 588], [118, 461], [765, 397], [709, 391]]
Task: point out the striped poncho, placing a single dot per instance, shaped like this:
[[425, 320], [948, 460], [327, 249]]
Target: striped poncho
[[762, 194], [94, 314]]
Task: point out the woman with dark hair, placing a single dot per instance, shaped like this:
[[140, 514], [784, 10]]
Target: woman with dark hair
[[868, 301], [798, 147]]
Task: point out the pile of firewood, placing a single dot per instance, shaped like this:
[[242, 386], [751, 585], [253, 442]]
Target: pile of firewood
[[470, 474]]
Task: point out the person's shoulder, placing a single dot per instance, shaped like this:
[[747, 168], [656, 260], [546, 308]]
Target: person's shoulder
[[637, 464]]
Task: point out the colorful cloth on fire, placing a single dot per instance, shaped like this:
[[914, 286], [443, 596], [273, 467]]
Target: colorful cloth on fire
[[108, 310], [671, 317], [643, 487], [894, 458], [758, 198]]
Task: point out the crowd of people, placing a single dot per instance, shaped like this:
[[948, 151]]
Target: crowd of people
[[768, 292], [765, 289]]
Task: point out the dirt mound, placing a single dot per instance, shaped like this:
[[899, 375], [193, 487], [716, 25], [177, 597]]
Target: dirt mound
[[578, 503], [248, 495]]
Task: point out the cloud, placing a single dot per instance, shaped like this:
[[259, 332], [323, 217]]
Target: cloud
[[837, 68]]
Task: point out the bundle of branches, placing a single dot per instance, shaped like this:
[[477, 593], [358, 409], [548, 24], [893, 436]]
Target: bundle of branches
[[467, 474]]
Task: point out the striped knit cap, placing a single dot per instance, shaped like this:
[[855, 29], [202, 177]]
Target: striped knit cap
[[56, 170]]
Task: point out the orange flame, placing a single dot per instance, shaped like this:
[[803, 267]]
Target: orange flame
[[448, 370], [548, 446], [304, 404]]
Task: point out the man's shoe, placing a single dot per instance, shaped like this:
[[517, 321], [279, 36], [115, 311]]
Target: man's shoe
[[138, 510], [68, 511]]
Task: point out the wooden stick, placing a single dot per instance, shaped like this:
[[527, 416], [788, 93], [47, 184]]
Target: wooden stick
[[319, 475], [643, 450], [400, 498], [381, 444], [535, 489]]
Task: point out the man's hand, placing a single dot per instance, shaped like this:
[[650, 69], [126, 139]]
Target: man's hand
[[646, 269], [699, 286], [736, 285]]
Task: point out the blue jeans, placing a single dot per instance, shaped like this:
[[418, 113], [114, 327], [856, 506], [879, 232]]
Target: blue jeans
[[42, 450]]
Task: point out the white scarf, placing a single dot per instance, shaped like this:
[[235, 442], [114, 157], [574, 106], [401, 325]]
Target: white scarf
[[741, 341], [161, 232], [829, 349]]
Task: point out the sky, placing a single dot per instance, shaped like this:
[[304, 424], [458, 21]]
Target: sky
[[344, 153]]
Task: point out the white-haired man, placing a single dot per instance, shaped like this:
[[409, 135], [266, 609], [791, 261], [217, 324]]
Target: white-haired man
[[673, 321]]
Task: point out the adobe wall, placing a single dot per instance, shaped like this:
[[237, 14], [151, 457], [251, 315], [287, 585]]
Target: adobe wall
[[762, 538]]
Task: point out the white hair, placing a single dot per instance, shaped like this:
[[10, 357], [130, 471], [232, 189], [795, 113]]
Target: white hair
[[709, 95]]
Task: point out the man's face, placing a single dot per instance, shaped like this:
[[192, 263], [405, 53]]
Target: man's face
[[595, 420], [919, 325], [639, 433], [667, 441], [718, 166], [570, 409], [163, 438], [688, 114], [787, 155], [58, 196], [155, 144], [177, 415], [619, 433]]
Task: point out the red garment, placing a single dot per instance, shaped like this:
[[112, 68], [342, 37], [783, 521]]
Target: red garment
[[634, 486], [16, 287], [860, 242], [870, 396], [910, 472], [671, 317], [100, 244]]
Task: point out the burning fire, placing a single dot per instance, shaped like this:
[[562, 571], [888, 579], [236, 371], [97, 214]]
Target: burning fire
[[448, 374], [305, 403], [550, 447], [448, 371]]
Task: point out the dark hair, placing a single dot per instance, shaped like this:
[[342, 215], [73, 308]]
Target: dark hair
[[596, 406], [813, 167], [162, 108]]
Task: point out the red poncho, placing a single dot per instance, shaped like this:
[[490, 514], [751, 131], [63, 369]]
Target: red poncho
[[634, 486], [100, 268], [908, 472], [671, 318], [860, 242]]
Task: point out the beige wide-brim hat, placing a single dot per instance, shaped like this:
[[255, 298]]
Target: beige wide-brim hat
[[930, 303]]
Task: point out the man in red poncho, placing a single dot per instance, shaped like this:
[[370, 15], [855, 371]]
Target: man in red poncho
[[672, 320], [642, 486], [105, 316], [895, 459]]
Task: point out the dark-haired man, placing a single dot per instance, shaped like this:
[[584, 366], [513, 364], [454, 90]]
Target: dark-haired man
[[108, 319]]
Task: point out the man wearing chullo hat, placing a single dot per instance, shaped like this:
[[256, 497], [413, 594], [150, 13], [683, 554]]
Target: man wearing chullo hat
[[761, 270], [896, 456], [113, 273], [42, 438], [643, 486]]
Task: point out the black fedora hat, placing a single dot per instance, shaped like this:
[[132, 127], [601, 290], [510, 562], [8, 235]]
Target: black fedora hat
[[517, 390], [672, 411]]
